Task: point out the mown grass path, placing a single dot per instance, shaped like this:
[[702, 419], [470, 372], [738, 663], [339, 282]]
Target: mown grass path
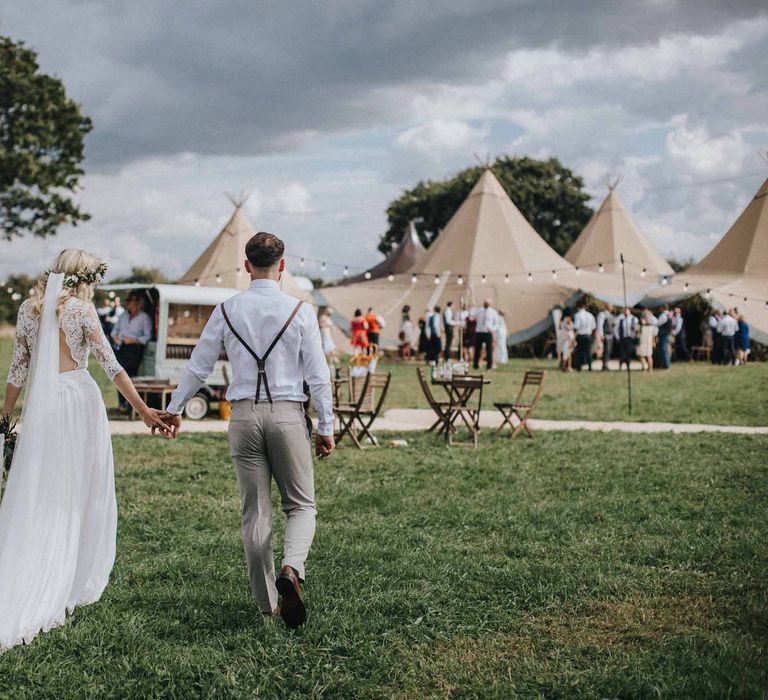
[[576, 565]]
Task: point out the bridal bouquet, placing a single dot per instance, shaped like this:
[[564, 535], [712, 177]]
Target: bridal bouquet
[[8, 433]]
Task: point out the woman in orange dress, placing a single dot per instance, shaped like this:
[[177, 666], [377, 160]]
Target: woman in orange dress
[[359, 329]]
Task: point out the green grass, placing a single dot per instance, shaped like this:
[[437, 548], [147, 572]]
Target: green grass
[[689, 393], [575, 565]]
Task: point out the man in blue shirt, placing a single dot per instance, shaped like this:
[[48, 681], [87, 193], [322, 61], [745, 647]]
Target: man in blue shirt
[[130, 336]]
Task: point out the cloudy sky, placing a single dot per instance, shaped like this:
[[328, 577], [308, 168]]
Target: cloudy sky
[[325, 111]]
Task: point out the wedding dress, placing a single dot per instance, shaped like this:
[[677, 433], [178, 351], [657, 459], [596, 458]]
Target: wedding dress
[[58, 516]]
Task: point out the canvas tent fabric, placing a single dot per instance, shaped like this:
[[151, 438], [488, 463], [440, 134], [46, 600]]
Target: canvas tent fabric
[[734, 273], [223, 259], [610, 233], [404, 258], [487, 243]]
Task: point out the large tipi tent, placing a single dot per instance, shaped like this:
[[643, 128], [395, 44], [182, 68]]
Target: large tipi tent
[[611, 233], [221, 263], [487, 250], [403, 258], [735, 272]]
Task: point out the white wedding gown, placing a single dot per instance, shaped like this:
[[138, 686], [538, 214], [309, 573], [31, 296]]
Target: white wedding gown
[[58, 516]]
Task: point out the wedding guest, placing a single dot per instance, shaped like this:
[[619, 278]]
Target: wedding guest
[[678, 332], [584, 326], [326, 337], [566, 340], [727, 327], [434, 332], [664, 325], [117, 309], [487, 322], [423, 339], [742, 342], [132, 332], [375, 325], [358, 328], [450, 323], [626, 334], [648, 332], [106, 317], [717, 345], [469, 327], [406, 334], [604, 330], [502, 352]]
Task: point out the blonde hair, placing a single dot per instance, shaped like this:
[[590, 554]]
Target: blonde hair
[[70, 262]]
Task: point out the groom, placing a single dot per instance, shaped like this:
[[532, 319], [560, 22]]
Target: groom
[[273, 343]]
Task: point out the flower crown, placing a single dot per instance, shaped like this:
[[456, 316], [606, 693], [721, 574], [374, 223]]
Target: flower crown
[[84, 275]]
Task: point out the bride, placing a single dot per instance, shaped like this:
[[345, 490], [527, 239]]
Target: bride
[[58, 516]]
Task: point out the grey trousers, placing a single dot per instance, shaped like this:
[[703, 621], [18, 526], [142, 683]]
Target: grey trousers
[[271, 440]]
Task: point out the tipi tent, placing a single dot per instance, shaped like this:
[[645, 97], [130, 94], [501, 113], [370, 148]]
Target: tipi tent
[[487, 250], [404, 258], [221, 263], [735, 272], [610, 233]]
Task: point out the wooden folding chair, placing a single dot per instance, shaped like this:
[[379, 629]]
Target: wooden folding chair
[[521, 408], [356, 416], [439, 407], [462, 407]]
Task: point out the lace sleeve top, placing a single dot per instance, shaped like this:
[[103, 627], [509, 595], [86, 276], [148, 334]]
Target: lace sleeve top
[[81, 330]]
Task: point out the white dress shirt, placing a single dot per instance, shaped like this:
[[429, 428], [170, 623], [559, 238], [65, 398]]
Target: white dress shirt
[[138, 328], [487, 319], [727, 326], [448, 317], [626, 325], [433, 319], [677, 325], [583, 322], [258, 314]]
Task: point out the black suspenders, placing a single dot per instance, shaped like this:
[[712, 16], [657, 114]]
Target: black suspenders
[[261, 361]]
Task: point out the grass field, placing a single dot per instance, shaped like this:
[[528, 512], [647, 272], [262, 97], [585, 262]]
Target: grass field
[[689, 393], [576, 565]]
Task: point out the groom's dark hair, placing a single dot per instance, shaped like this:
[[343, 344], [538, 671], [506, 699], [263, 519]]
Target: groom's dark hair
[[264, 250]]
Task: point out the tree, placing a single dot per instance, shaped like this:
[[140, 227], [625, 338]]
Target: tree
[[42, 136], [13, 291], [549, 195], [143, 275]]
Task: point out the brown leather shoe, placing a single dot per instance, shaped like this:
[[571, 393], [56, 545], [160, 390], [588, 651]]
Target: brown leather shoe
[[292, 609]]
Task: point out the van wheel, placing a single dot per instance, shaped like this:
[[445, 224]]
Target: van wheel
[[197, 407]]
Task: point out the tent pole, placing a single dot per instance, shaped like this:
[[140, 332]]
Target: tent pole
[[629, 372]]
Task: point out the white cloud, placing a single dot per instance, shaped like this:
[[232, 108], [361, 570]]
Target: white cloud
[[293, 198]]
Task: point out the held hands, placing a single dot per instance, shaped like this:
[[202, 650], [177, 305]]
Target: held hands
[[324, 445], [156, 421], [172, 422]]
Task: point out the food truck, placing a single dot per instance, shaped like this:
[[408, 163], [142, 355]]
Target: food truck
[[179, 314]]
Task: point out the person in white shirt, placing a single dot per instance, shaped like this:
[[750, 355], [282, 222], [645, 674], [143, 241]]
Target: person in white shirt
[[625, 332], [678, 333], [584, 326], [273, 344], [487, 319], [728, 326], [450, 324], [717, 343], [604, 332], [434, 331]]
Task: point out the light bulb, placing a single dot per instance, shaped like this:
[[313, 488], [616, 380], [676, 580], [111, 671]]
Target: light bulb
[[437, 280], [301, 262], [197, 283], [111, 295], [460, 280], [554, 274], [322, 266], [664, 280], [685, 286], [483, 279], [414, 279], [530, 277], [218, 279], [506, 279], [367, 274], [578, 270], [346, 271], [239, 272], [391, 277], [642, 274], [600, 267]]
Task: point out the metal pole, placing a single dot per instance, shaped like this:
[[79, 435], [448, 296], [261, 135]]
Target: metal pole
[[629, 372]]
